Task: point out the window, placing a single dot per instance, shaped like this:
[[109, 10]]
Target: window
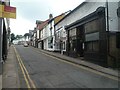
[[95, 46], [64, 46], [50, 42], [73, 45], [92, 46], [57, 45], [72, 32], [89, 46]]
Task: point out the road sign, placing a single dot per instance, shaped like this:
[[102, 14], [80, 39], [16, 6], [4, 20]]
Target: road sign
[[1, 10], [7, 11]]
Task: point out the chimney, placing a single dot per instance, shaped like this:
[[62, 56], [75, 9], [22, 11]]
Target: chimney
[[39, 22], [50, 16]]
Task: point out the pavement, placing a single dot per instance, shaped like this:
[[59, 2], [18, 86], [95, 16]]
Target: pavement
[[0, 75], [0, 82], [10, 73], [10, 77]]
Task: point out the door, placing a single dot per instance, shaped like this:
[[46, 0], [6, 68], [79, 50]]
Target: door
[[80, 41], [42, 45]]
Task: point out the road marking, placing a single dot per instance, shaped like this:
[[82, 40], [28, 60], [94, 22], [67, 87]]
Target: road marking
[[25, 72], [27, 83], [79, 66], [31, 81]]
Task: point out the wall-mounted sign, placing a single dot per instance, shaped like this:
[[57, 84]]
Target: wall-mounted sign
[[7, 11]]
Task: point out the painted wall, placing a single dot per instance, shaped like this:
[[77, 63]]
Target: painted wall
[[37, 34], [89, 7], [79, 13], [113, 18], [83, 11], [51, 35], [45, 35], [119, 18]]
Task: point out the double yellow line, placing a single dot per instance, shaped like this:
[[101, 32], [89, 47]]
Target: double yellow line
[[30, 84]]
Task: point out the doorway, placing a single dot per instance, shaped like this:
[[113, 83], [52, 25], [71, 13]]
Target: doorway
[[80, 41]]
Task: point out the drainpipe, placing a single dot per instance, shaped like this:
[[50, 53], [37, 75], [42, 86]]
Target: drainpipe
[[107, 23], [1, 37], [107, 27]]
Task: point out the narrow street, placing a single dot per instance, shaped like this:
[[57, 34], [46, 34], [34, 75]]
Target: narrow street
[[44, 45], [46, 71]]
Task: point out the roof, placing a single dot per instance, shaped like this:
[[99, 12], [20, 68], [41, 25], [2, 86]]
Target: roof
[[72, 11], [41, 26], [85, 19], [59, 17]]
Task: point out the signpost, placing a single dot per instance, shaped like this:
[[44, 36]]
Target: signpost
[[1, 39], [5, 12], [1, 9]]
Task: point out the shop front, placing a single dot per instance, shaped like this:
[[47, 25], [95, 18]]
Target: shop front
[[87, 37]]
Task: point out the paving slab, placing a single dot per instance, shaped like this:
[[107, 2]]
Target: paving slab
[[10, 73]]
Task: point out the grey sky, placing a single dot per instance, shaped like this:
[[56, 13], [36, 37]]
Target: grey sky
[[32, 10], [28, 11]]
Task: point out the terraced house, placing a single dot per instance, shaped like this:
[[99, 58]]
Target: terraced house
[[46, 34], [90, 31], [93, 32]]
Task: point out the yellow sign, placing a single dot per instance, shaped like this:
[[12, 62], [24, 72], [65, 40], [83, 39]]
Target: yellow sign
[[1, 10], [9, 15], [7, 12]]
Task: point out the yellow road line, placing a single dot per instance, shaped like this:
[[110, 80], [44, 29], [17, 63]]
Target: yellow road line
[[85, 68], [24, 71], [27, 83], [31, 81]]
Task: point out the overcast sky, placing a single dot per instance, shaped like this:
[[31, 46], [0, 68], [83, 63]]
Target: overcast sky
[[28, 11]]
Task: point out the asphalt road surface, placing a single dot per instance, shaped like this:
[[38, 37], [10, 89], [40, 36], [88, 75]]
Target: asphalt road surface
[[48, 72]]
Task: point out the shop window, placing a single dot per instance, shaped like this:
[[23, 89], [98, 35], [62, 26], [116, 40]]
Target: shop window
[[50, 42], [63, 45], [50, 45], [95, 46], [73, 45], [92, 46], [89, 46], [58, 45]]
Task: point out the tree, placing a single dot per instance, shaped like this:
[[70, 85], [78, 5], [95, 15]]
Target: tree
[[26, 35], [19, 36], [12, 37]]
